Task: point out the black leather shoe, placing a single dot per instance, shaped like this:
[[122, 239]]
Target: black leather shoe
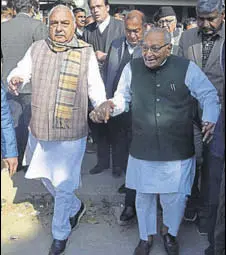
[[97, 169], [144, 247], [58, 247], [116, 172], [171, 244], [127, 214], [74, 221]]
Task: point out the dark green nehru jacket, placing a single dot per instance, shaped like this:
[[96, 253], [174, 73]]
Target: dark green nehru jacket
[[161, 111]]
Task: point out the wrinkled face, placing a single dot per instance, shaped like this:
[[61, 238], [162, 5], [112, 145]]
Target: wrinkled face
[[134, 30], [80, 19], [99, 10], [209, 23], [61, 25], [155, 50], [168, 22]]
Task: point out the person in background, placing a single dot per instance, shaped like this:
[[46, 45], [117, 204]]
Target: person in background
[[118, 129], [89, 20], [165, 17], [80, 19], [26, 30], [6, 14], [100, 35], [201, 45], [190, 23], [161, 87]]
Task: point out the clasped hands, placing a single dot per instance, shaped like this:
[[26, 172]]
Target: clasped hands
[[102, 113]]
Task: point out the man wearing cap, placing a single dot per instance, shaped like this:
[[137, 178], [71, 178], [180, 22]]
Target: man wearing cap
[[202, 45], [165, 17]]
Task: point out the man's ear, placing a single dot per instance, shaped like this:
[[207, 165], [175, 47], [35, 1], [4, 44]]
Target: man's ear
[[108, 8]]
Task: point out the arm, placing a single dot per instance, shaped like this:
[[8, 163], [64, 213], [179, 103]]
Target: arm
[[21, 74], [122, 96], [8, 138], [204, 91]]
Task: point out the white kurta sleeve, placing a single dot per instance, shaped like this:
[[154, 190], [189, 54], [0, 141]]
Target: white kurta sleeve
[[96, 88], [23, 69], [122, 96]]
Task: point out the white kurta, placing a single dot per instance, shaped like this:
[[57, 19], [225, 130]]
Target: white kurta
[[59, 161], [167, 176]]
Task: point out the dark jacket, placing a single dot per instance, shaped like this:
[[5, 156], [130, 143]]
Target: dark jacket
[[17, 35], [116, 30], [8, 137]]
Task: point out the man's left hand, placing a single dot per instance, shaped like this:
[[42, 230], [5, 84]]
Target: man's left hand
[[207, 130]]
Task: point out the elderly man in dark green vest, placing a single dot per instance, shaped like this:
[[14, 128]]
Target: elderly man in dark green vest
[[161, 88]]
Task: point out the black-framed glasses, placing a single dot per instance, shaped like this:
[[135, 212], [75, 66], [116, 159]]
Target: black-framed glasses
[[166, 21], [153, 48]]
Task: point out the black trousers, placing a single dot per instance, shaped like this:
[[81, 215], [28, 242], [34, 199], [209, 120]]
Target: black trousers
[[113, 140], [20, 107], [219, 237]]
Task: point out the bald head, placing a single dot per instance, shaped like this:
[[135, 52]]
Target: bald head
[[135, 14], [61, 24]]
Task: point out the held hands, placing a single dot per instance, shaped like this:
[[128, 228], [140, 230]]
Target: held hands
[[14, 84], [207, 130], [102, 113], [11, 164]]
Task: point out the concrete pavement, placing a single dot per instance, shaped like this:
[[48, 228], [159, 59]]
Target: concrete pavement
[[28, 230]]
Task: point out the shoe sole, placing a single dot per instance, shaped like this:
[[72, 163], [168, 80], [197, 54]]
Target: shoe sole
[[79, 218], [128, 222]]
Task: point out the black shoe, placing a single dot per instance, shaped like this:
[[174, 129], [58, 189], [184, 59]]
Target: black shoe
[[171, 244], [209, 250], [128, 214], [144, 247], [117, 172], [74, 221], [190, 214], [58, 247], [122, 189], [97, 169]]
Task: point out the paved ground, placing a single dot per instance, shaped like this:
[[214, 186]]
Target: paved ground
[[27, 210]]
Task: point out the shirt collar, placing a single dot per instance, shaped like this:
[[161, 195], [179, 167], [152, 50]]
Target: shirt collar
[[79, 31], [102, 26], [130, 47]]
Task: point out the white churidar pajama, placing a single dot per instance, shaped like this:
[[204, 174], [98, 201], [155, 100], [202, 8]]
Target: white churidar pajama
[[58, 163], [171, 179]]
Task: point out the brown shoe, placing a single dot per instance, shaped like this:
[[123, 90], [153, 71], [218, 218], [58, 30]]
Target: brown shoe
[[144, 247]]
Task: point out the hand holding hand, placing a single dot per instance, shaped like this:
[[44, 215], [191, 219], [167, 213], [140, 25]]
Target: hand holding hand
[[12, 164], [207, 130], [14, 83], [102, 113]]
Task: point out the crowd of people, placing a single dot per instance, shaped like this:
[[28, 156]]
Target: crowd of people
[[149, 96]]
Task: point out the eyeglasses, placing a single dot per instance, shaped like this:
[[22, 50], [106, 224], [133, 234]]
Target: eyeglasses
[[154, 49], [167, 22]]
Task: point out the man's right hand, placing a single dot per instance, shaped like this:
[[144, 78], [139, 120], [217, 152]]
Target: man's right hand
[[14, 84], [12, 164]]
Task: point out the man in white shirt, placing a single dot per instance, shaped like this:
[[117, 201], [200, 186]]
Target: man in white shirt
[[64, 72], [80, 19]]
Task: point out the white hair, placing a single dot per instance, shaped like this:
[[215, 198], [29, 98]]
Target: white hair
[[58, 7]]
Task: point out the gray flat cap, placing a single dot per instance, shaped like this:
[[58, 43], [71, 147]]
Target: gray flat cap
[[208, 6]]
